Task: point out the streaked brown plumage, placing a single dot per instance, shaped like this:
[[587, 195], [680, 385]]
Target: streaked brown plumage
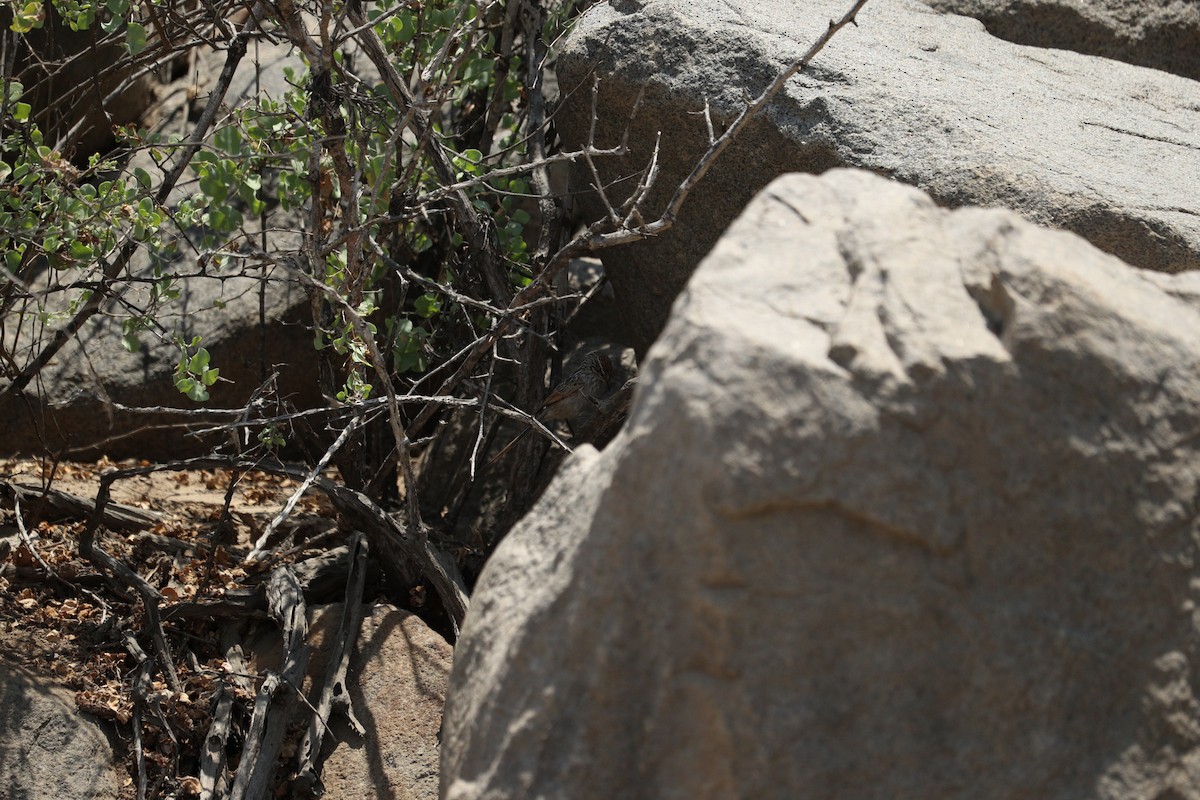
[[579, 393]]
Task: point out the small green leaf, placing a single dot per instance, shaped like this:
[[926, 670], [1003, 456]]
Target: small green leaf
[[403, 28], [131, 342], [142, 177], [135, 38], [229, 139], [21, 112], [271, 437], [199, 362], [28, 17], [427, 305]]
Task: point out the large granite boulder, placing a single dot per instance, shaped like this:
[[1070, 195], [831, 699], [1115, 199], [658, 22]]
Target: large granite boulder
[[905, 508], [1098, 147], [1163, 35]]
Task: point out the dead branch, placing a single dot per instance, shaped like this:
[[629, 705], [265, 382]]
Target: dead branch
[[212, 762], [212, 759], [259, 549], [335, 696], [116, 516], [253, 744], [150, 596], [141, 687], [604, 233], [397, 545], [285, 601]]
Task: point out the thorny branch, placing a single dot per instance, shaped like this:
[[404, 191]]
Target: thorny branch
[[596, 237], [626, 225]]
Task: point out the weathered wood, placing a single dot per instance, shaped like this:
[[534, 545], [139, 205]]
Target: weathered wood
[[247, 602], [318, 577], [212, 757], [141, 686], [285, 602], [254, 737], [334, 694], [116, 516]]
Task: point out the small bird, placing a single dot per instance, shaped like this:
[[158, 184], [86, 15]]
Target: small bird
[[580, 392], [574, 396]]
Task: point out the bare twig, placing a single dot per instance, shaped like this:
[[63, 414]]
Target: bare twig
[[259, 549], [596, 240]]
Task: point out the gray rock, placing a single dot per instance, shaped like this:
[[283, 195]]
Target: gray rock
[[1100, 148], [69, 410], [397, 684], [905, 508], [48, 749], [1164, 36]]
